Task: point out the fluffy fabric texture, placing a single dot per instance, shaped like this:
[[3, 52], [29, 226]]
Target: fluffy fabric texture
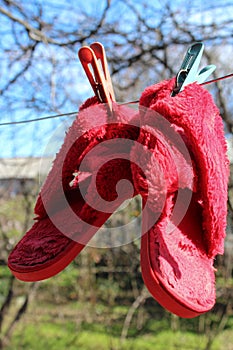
[[56, 231], [177, 255], [194, 111], [180, 168]]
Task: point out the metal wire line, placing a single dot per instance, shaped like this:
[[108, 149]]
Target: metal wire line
[[73, 113]]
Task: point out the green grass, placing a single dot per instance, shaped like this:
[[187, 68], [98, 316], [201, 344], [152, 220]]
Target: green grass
[[67, 335], [60, 328]]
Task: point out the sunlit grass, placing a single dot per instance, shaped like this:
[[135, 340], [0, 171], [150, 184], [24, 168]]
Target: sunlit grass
[[68, 336], [37, 331]]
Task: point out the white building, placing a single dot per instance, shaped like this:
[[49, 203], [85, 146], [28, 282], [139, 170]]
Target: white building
[[16, 173]]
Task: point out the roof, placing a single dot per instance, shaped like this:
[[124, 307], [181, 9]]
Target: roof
[[32, 167], [230, 148], [24, 168]]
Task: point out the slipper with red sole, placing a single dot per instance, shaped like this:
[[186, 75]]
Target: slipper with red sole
[[74, 203], [178, 250]]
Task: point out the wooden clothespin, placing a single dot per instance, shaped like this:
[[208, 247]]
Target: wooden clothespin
[[99, 77]]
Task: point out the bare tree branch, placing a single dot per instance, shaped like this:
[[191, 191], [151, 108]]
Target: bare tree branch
[[136, 304], [35, 34]]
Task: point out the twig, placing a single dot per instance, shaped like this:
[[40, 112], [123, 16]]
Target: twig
[[137, 302]]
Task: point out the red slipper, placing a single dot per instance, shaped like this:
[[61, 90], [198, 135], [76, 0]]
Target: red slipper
[[71, 209], [190, 230], [187, 173]]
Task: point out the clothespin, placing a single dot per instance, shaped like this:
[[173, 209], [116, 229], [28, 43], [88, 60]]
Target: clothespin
[[188, 72], [99, 76]]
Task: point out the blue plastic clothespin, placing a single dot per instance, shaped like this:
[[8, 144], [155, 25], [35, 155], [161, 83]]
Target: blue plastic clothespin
[[188, 72]]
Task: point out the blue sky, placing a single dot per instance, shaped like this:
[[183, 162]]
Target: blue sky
[[32, 139]]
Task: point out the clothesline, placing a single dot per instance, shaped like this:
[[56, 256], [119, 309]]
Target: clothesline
[[38, 119], [74, 113], [53, 116]]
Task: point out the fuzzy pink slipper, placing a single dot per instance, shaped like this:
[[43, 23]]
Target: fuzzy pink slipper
[[71, 208], [182, 176], [187, 173]]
